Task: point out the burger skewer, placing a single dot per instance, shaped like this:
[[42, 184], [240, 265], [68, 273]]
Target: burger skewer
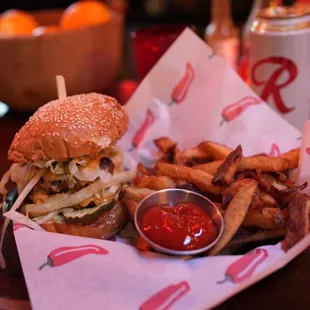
[[61, 87]]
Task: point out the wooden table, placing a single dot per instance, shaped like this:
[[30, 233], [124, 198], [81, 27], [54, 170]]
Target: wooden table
[[286, 289]]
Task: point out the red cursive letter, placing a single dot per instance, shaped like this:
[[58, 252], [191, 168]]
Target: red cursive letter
[[271, 87]]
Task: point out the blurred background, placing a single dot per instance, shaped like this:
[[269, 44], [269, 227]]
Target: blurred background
[[151, 11], [97, 46]]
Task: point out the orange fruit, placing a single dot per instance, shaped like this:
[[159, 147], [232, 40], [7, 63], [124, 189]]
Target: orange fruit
[[16, 22], [84, 13], [39, 31]]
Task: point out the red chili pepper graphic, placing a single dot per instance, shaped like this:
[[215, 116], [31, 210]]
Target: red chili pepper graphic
[[243, 268], [180, 90], [231, 111], [273, 86], [148, 122], [166, 297], [17, 226], [64, 255], [275, 150], [308, 150]]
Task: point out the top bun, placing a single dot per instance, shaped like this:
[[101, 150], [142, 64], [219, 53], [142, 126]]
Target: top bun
[[71, 127]]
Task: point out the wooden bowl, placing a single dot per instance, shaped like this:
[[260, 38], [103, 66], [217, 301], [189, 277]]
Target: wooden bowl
[[88, 58]]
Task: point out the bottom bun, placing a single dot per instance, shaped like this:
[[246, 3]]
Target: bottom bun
[[104, 227]]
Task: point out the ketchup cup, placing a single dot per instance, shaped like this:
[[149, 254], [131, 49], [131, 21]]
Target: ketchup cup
[[173, 197]]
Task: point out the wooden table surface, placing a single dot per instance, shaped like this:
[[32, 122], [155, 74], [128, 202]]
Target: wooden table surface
[[286, 289]]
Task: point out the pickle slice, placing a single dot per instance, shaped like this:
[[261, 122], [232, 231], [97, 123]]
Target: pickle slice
[[85, 215]]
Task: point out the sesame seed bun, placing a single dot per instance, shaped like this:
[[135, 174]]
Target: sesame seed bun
[[71, 127]]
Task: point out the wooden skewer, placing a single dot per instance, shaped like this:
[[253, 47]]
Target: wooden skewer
[[61, 87]]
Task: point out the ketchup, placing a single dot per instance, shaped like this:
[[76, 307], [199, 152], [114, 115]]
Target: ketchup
[[180, 227]]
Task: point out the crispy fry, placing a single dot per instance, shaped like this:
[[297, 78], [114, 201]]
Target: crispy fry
[[182, 184], [262, 200], [294, 189], [154, 182], [176, 172], [273, 181], [282, 177], [235, 214], [141, 169], [199, 178], [142, 245], [164, 144], [247, 235], [257, 219], [298, 220], [136, 193], [265, 163], [191, 156], [256, 203], [269, 212], [163, 160], [263, 185], [293, 157], [230, 192], [211, 167], [283, 197], [259, 154], [217, 151], [219, 207], [267, 201], [227, 170], [131, 206], [203, 181]]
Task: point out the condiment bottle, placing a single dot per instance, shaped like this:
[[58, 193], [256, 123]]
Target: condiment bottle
[[221, 34]]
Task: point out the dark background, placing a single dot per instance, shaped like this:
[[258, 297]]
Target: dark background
[[151, 11]]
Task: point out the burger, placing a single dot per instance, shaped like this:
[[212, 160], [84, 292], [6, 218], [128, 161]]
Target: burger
[[68, 169]]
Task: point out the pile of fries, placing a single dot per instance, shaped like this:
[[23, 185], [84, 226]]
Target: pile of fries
[[254, 194]]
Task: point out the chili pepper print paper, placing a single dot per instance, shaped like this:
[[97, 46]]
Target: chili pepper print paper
[[65, 272], [303, 173], [190, 95]]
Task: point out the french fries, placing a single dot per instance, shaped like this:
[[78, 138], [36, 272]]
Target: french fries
[[256, 219], [247, 236], [217, 151], [273, 181], [293, 157], [142, 245], [191, 156], [203, 181], [211, 167], [265, 163], [154, 182], [267, 201], [298, 220], [131, 206], [235, 214], [227, 170], [142, 170], [199, 178], [257, 200], [136, 193], [230, 192], [164, 144]]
